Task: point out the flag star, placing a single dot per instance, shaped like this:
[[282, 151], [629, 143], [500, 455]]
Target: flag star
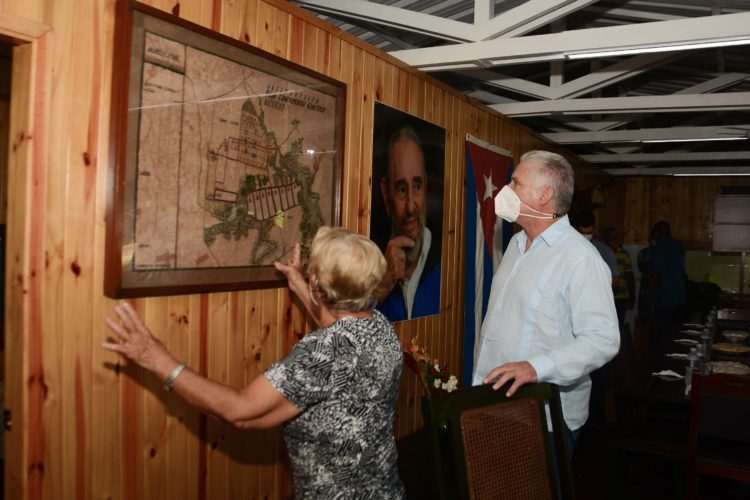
[[489, 187]]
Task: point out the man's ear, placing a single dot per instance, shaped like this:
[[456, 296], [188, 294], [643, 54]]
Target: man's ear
[[384, 193], [546, 195]]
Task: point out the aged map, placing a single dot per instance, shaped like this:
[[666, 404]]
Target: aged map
[[234, 165]]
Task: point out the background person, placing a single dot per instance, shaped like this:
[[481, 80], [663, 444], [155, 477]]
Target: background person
[[551, 316], [585, 223], [643, 258], [335, 391], [411, 285], [624, 289], [667, 283]]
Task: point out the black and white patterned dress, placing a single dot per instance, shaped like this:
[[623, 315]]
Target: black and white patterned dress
[[345, 379]]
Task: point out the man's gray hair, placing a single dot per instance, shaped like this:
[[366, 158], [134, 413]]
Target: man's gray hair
[[559, 174]]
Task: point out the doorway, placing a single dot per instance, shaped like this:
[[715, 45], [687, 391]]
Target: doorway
[[6, 62]]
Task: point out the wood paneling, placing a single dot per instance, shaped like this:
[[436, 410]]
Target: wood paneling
[[87, 424], [635, 204]]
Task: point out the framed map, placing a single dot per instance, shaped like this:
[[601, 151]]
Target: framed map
[[223, 157]]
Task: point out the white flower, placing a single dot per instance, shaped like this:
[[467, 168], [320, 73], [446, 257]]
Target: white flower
[[451, 385], [437, 383], [437, 367]]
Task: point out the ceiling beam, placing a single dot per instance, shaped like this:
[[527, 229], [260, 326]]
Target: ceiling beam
[[527, 17], [609, 124], [666, 157], [518, 85], [517, 21], [484, 10], [386, 15], [489, 97], [640, 104], [649, 134], [596, 80], [632, 14], [556, 46], [718, 83]]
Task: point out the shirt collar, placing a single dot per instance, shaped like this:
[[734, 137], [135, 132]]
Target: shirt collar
[[550, 235]]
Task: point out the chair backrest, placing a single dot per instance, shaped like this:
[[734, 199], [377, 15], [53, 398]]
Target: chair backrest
[[486, 445], [719, 412], [722, 407], [719, 434]]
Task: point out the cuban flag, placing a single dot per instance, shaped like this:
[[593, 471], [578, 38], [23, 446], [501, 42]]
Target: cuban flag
[[488, 169]]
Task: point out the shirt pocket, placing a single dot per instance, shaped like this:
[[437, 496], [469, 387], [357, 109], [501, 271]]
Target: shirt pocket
[[548, 312]]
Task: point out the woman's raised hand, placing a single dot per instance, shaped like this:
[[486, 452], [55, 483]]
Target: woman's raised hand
[[293, 272], [136, 341]]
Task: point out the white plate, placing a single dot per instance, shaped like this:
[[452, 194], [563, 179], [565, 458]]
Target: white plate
[[668, 374], [691, 332], [677, 355], [687, 341]]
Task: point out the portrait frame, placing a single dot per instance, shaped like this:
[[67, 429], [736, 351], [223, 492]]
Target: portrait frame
[[432, 139], [222, 156]]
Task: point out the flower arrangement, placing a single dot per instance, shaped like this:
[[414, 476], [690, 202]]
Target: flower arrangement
[[436, 380]]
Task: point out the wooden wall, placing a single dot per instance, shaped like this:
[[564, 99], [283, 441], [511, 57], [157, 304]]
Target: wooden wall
[[88, 426], [635, 204]]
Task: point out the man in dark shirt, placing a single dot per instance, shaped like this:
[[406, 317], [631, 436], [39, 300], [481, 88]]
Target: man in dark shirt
[[666, 285]]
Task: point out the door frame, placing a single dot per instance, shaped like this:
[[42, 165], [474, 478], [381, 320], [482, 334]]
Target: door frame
[[24, 391]]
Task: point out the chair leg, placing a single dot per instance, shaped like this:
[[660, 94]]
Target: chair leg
[[691, 492]]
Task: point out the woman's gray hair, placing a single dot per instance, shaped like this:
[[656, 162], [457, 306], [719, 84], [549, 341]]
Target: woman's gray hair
[[559, 174], [347, 268]]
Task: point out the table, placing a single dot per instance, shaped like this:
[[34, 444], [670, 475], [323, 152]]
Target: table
[[733, 318]]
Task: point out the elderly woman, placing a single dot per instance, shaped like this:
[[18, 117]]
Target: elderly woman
[[336, 390]]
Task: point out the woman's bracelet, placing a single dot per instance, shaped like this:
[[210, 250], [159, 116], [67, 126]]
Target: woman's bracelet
[[173, 376]]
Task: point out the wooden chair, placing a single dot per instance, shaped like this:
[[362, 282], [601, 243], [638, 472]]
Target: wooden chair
[[487, 446], [719, 429]]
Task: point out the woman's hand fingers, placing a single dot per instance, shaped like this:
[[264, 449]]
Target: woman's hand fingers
[[293, 267], [297, 257], [130, 319], [111, 346], [115, 327], [137, 343]]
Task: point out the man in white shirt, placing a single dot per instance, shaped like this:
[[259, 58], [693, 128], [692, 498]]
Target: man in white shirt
[[551, 315]]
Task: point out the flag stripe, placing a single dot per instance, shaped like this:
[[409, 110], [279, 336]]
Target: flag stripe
[[488, 168]]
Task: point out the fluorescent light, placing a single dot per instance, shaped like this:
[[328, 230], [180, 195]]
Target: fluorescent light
[[680, 171], [696, 139], [662, 48], [704, 174]]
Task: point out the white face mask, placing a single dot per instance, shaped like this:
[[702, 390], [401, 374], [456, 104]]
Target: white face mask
[[588, 236], [508, 206]]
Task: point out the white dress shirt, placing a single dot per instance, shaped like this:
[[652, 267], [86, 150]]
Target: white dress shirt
[[552, 306], [409, 286]]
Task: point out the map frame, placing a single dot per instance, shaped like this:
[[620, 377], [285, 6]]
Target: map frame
[[302, 87]]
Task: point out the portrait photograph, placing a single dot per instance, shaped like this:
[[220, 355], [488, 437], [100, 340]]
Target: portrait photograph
[[407, 211]]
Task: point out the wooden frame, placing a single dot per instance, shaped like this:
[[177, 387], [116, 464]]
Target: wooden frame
[[222, 157]]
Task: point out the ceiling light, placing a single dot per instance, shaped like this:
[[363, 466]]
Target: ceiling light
[[706, 174], [680, 171], [662, 48], [696, 139]]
